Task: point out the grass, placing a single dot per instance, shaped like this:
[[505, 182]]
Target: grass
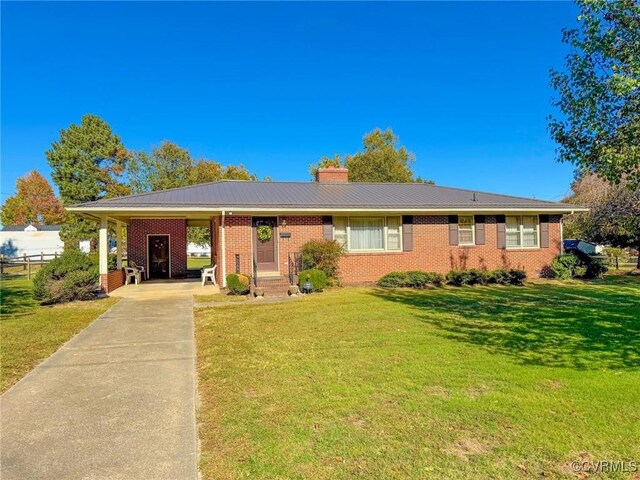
[[220, 297], [194, 263], [478, 382], [31, 332]]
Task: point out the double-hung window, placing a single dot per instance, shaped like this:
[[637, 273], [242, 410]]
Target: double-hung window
[[466, 234], [368, 233], [522, 231]]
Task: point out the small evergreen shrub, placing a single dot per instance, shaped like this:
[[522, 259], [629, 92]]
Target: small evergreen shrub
[[393, 280], [71, 276], [478, 277], [411, 279], [517, 277], [500, 276], [577, 264], [322, 255], [458, 278], [317, 278], [238, 284]]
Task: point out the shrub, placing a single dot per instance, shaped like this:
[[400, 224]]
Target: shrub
[[71, 276], [458, 278], [499, 276], [411, 279], [393, 280], [577, 264], [479, 277], [317, 278], [238, 284], [322, 255], [517, 277]]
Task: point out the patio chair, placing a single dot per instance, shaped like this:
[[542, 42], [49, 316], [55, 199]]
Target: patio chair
[[129, 273], [142, 271], [210, 273]]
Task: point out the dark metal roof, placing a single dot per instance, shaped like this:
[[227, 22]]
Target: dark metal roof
[[20, 228], [312, 195]]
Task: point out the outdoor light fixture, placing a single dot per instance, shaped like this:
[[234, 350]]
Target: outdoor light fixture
[[284, 222]]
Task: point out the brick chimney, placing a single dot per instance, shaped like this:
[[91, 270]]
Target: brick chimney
[[332, 175]]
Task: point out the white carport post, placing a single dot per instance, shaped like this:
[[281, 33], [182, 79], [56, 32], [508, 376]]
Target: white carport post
[[119, 244], [103, 246]]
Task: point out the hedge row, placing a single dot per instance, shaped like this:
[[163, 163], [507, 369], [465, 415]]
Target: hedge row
[[457, 278]]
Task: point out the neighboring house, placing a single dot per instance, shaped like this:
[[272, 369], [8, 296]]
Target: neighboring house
[[586, 247], [384, 227], [194, 250], [19, 240]]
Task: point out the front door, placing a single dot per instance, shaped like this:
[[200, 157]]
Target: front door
[[265, 243], [159, 256]]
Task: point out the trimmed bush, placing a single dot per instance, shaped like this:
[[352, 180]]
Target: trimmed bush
[[71, 276], [394, 280], [478, 277], [411, 279], [517, 277], [458, 278], [499, 276], [322, 255], [577, 264], [317, 278], [238, 284]]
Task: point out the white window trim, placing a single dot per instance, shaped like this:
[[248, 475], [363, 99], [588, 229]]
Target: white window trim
[[521, 233], [349, 249], [473, 231]]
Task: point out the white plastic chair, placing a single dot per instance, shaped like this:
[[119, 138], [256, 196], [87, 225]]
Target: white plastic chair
[[130, 272], [209, 273]]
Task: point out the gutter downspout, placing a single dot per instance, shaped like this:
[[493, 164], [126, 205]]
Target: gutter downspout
[[223, 270]]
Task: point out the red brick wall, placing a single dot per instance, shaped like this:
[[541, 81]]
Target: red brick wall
[[432, 252], [431, 249], [112, 280], [140, 228]]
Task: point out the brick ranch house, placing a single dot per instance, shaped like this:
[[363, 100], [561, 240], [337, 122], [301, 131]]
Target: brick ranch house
[[383, 227]]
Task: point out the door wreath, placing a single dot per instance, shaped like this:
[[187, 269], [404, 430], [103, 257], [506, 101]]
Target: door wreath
[[264, 233]]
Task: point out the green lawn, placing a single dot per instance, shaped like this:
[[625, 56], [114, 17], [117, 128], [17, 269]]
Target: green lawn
[[194, 263], [478, 382], [220, 297], [30, 332]]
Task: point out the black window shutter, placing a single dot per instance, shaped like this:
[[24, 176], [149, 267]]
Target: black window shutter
[[544, 231], [479, 223], [407, 233], [453, 229], [327, 227], [502, 231]]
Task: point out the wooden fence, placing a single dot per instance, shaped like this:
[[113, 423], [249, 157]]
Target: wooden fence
[[27, 262]]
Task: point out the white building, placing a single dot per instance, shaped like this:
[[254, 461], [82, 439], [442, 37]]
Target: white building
[[18, 240]]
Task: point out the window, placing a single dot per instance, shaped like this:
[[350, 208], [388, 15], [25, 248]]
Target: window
[[368, 233], [522, 232], [393, 233], [340, 231], [466, 234]]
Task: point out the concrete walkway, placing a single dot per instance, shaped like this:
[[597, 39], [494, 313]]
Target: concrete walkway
[[116, 402]]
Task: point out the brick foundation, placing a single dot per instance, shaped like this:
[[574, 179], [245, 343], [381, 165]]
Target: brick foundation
[[112, 280]]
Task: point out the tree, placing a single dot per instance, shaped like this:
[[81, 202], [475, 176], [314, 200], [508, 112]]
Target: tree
[[381, 161], [34, 202], [599, 92], [88, 162], [171, 166], [614, 216], [167, 166]]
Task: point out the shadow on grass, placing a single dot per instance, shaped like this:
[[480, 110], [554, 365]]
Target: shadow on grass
[[15, 296], [579, 325]]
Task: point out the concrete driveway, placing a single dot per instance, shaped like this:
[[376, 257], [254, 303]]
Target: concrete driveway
[[116, 402]]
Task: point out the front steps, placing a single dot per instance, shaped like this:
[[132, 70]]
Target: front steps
[[273, 286]]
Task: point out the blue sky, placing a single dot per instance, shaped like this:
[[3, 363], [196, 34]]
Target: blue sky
[[277, 85]]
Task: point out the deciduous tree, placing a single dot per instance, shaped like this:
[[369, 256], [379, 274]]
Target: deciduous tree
[[598, 125], [34, 202], [382, 160]]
